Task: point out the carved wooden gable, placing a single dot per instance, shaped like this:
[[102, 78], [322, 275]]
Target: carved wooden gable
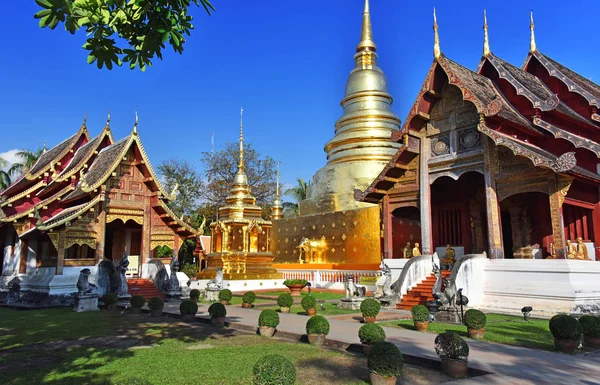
[[126, 186]]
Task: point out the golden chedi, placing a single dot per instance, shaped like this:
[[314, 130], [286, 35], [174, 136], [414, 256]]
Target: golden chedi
[[240, 236]]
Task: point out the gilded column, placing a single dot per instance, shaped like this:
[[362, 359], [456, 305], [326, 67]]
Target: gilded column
[[490, 168], [60, 261], [386, 221], [100, 234], [425, 197], [147, 232], [557, 190]]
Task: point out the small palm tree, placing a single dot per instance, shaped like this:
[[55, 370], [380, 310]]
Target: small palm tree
[[298, 193], [4, 175], [28, 159]]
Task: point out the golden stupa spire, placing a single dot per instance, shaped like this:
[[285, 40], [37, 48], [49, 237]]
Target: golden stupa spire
[[486, 41], [277, 188], [532, 47], [437, 52], [241, 161], [366, 37]]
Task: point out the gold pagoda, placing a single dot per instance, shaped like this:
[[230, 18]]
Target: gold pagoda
[[240, 236]]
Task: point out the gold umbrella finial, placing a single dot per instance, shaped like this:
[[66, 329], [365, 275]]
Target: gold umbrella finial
[[437, 52], [532, 46], [486, 41], [241, 162]]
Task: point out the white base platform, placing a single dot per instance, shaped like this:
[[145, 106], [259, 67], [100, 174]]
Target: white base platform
[[243, 285]]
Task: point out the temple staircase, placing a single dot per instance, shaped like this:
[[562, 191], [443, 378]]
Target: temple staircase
[[421, 293], [145, 287]]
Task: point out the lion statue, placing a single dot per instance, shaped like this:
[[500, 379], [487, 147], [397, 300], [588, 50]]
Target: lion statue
[[83, 284], [217, 282]]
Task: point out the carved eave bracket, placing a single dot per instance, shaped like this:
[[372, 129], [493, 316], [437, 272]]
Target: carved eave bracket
[[575, 140]]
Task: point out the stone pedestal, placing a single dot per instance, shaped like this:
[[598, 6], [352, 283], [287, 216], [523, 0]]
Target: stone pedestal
[[212, 295], [86, 302], [351, 303], [450, 315]]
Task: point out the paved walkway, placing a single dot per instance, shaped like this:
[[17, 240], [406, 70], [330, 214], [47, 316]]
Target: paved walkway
[[510, 364]]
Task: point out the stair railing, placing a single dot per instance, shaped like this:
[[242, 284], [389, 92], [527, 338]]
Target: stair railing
[[416, 270]]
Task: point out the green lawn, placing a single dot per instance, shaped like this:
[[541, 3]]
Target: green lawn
[[238, 300], [503, 329], [317, 294], [330, 309]]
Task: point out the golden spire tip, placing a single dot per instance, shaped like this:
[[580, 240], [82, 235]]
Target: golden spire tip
[[85, 118], [437, 52], [366, 36], [486, 41], [136, 123], [241, 162], [532, 46], [277, 190]]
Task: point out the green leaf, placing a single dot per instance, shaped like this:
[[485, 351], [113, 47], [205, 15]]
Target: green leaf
[[42, 13], [44, 3], [91, 58]]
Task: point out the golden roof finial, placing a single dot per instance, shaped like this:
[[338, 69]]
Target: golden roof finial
[[532, 47], [135, 124], [437, 52], [366, 37], [108, 119], [84, 119], [486, 41], [44, 149], [241, 162]]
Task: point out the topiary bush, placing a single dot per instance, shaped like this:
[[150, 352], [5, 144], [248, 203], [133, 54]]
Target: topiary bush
[[289, 282], [285, 300], [156, 303], [274, 369], [450, 345], [590, 326], [137, 301], [475, 319], [268, 318], [371, 334], [110, 299], [225, 295], [420, 313], [188, 306], [249, 297], [563, 326], [195, 293], [309, 302], [370, 307], [385, 360], [317, 325], [217, 310]]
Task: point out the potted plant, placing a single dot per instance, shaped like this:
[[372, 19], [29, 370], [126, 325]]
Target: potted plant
[[566, 331], [475, 321], [195, 295], [267, 322], [248, 299], [156, 306], [225, 296], [454, 353], [317, 329], [591, 331], [274, 369], [370, 335], [295, 285], [110, 301], [309, 303], [137, 303], [420, 316], [370, 308], [217, 313], [285, 302], [385, 363], [188, 309]]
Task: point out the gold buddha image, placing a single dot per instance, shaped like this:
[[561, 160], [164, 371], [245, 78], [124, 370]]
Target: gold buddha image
[[416, 251], [407, 251]]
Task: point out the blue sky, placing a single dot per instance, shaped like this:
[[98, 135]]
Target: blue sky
[[285, 62]]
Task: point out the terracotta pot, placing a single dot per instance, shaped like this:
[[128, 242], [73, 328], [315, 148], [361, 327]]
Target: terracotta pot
[[366, 349], [266, 331], [156, 313], [566, 346], [312, 311], [454, 368], [370, 320], [591, 342], [421, 326], [136, 310], [246, 305], [224, 302], [188, 317], [284, 309], [476, 333], [218, 322], [316, 339], [376, 379], [295, 289]]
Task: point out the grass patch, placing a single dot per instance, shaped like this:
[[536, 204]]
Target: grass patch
[[317, 294], [330, 309], [504, 329], [236, 300]]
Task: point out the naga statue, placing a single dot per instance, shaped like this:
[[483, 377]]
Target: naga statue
[[121, 278], [173, 288], [216, 283], [352, 289], [84, 287]]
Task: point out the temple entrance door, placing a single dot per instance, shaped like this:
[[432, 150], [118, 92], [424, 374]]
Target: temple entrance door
[[406, 231], [133, 241], [507, 231], [124, 236]]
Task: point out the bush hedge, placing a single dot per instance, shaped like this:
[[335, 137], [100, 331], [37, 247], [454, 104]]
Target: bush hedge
[[420, 313], [195, 293], [285, 300], [137, 301], [249, 297], [110, 299], [450, 345], [317, 325], [268, 318], [188, 306], [289, 282], [225, 295], [371, 334], [475, 319], [370, 307], [156, 303], [309, 302], [274, 369], [385, 360], [563, 326], [217, 310], [590, 326]]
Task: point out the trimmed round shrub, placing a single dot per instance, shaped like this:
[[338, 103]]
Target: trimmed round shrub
[[285, 300], [274, 369], [268, 318], [451, 345], [289, 282], [475, 319], [590, 325], [370, 307], [188, 306], [217, 310], [156, 303], [137, 301], [563, 326], [110, 299], [420, 313], [371, 334], [249, 297], [317, 325], [309, 302], [385, 360], [225, 295], [195, 293]]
